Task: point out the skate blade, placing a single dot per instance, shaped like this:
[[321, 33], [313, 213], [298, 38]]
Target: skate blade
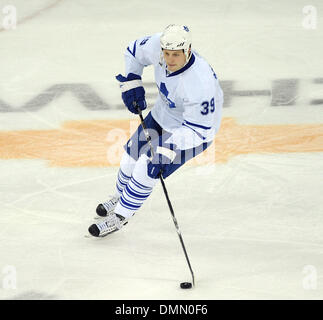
[[101, 236], [104, 235], [97, 217]]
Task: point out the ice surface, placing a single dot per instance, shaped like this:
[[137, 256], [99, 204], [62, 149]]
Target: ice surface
[[252, 224]]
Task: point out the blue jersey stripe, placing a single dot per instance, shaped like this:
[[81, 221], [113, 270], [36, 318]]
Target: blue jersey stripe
[[133, 52], [132, 196], [194, 131], [139, 185], [133, 189], [122, 182], [126, 207], [126, 193], [135, 194], [129, 204], [119, 189], [124, 176], [197, 125]]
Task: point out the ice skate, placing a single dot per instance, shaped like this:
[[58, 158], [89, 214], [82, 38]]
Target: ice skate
[[106, 208], [112, 223]]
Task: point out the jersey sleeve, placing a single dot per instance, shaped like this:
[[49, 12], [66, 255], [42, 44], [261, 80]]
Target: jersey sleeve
[[142, 52]]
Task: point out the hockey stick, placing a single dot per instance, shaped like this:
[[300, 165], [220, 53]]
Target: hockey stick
[[166, 193]]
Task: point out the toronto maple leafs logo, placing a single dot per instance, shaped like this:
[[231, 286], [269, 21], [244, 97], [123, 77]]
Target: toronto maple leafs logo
[[164, 94]]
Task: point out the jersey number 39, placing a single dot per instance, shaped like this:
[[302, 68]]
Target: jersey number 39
[[208, 107]]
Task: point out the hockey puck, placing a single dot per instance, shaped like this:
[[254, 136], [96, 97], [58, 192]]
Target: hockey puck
[[186, 285]]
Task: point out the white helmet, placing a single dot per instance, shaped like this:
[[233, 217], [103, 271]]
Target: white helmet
[[177, 37]]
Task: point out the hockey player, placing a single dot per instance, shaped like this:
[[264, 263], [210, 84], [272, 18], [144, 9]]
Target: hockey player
[[182, 124]]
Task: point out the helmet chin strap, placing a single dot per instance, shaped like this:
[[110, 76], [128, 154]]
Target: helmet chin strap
[[188, 56]]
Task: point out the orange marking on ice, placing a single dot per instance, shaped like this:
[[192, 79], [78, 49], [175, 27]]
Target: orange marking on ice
[[88, 143], [236, 139]]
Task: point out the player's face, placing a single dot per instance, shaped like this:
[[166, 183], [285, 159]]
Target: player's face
[[175, 59]]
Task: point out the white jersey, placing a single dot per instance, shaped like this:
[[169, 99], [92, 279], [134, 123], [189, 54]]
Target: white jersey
[[189, 104]]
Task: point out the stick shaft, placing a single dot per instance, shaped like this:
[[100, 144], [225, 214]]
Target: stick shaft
[[167, 197]]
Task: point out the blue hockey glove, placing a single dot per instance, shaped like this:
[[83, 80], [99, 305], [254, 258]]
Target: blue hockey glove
[[133, 93], [163, 157]]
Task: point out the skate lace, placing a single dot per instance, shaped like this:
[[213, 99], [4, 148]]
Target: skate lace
[[109, 224], [110, 204]]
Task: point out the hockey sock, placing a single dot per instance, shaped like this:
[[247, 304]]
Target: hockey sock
[[137, 190], [127, 166]]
